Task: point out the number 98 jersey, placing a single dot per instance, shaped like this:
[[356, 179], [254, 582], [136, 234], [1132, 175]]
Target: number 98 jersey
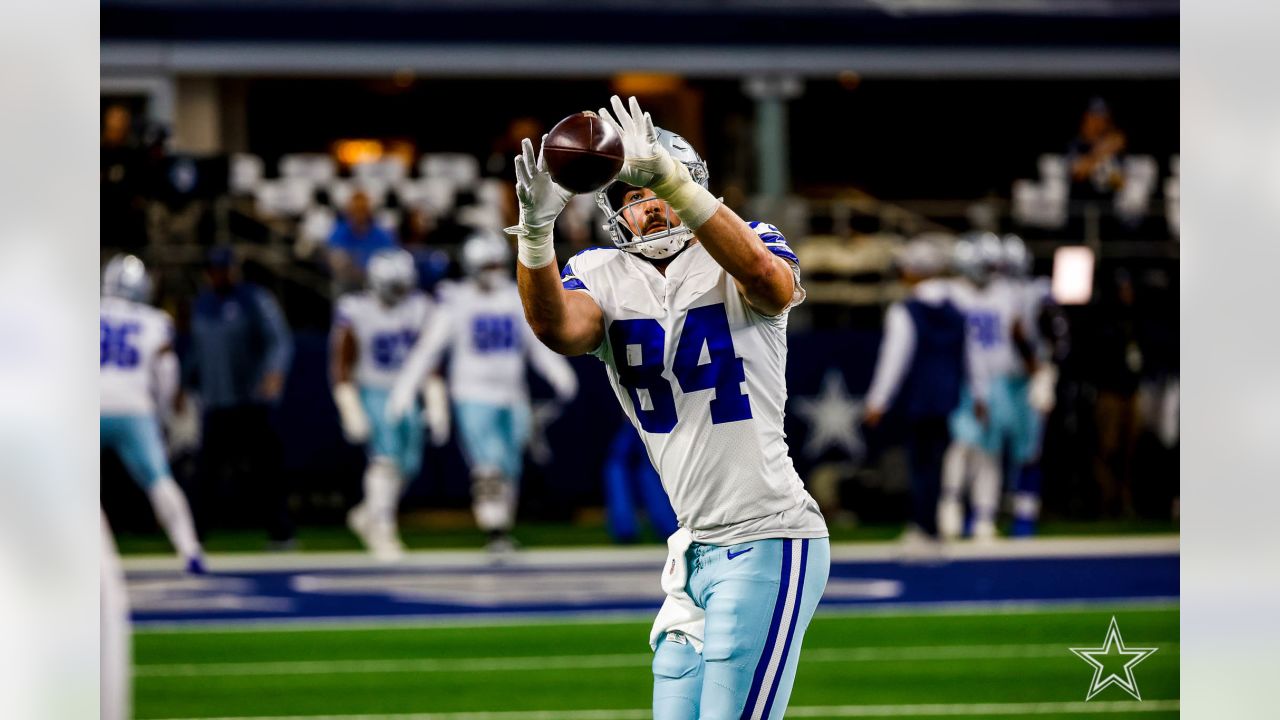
[[702, 376], [384, 334], [131, 336]]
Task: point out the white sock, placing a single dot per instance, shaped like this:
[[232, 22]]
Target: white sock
[[950, 514], [985, 494], [170, 507], [382, 485]]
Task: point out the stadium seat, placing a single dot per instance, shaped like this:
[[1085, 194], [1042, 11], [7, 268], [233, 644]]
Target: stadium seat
[[314, 167], [462, 170], [286, 197], [314, 230], [1134, 197], [389, 170], [245, 174]]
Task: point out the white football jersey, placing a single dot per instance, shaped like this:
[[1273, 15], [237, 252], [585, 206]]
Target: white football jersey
[[384, 335], [990, 312], [702, 376], [132, 335], [489, 341]]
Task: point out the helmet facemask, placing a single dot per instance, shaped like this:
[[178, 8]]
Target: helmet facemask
[[671, 239]]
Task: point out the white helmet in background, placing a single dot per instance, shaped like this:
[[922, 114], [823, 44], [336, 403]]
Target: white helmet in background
[[977, 256], [486, 256], [126, 277], [671, 239], [392, 274], [924, 255], [1017, 259]]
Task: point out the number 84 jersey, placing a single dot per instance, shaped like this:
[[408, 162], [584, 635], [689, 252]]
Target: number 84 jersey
[[702, 376]]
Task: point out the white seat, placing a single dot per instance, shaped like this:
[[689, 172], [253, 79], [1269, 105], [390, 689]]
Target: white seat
[[462, 169], [389, 170], [1053, 168], [245, 173], [389, 220], [315, 167]]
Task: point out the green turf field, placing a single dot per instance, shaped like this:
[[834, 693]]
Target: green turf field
[[924, 665]]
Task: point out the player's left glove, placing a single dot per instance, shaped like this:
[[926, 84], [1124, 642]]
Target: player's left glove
[[649, 164], [541, 200]]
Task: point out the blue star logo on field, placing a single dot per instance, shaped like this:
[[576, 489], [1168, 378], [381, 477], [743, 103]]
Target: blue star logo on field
[[1112, 653], [832, 416]]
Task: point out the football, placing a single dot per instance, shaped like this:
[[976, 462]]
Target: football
[[583, 152]]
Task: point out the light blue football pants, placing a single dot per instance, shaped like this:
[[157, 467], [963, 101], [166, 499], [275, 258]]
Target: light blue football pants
[[759, 598], [136, 440], [493, 436], [401, 441]]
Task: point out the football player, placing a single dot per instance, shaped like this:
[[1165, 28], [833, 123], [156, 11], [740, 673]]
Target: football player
[[688, 313], [139, 381], [987, 420], [920, 370], [1035, 394], [483, 327], [373, 332]]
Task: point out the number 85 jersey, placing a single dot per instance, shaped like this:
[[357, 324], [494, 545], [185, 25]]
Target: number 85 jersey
[[384, 334], [702, 377]]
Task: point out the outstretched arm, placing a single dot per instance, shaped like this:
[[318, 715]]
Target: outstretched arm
[[566, 321]]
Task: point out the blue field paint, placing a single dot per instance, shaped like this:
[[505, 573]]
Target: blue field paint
[[370, 593]]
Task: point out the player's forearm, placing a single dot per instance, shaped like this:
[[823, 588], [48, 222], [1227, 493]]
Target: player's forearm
[[766, 280], [547, 307]]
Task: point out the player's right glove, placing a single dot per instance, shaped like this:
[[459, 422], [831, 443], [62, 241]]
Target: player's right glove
[[649, 164], [355, 425], [541, 200]]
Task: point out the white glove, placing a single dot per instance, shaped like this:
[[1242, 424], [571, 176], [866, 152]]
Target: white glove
[[355, 424], [1041, 391], [541, 201], [435, 412], [183, 426], [648, 164], [400, 402]]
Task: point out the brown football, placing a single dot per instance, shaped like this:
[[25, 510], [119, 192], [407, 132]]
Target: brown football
[[583, 152]]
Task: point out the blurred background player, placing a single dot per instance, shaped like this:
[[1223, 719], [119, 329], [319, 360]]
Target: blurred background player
[[989, 418], [693, 293], [630, 482], [241, 348], [139, 382], [1044, 330], [921, 370], [372, 335], [482, 324]]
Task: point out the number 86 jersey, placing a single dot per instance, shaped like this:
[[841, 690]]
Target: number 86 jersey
[[702, 377]]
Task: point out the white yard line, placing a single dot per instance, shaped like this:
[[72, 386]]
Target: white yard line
[[815, 711], [1004, 548], [587, 662]]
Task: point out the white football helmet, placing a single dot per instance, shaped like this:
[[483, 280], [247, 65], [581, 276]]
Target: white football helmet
[[671, 239], [1017, 259], [126, 277], [392, 274], [977, 256], [482, 250]]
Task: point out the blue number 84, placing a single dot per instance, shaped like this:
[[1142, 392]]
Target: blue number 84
[[641, 369]]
